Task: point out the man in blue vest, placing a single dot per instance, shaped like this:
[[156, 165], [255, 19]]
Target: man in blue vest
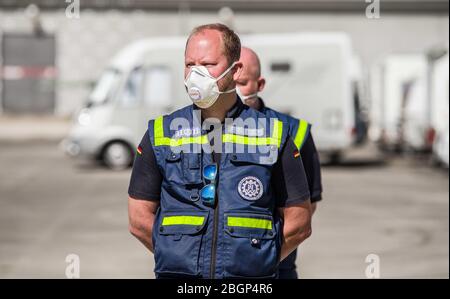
[[249, 84], [218, 190]]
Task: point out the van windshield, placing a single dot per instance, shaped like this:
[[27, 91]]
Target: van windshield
[[104, 87]]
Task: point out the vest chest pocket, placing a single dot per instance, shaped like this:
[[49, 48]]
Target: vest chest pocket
[[268, 158], [254, 163], [250, 177], [183, 168], [178, 238], [252, 245]]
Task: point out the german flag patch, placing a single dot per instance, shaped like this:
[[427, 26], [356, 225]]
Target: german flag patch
[[139, 150], [296, 154]]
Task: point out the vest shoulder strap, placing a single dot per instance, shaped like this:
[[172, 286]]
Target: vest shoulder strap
[[300, 133], [151, 131]]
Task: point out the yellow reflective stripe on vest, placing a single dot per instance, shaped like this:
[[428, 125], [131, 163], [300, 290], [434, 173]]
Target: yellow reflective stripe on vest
[[250, 222], [239, 139], [278, 131], [158, 132], [185, 140], [301, 133], [183, 220], [275, 139], [161, 139]]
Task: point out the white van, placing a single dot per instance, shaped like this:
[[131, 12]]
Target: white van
[[440, 110], [417, 130], [143, 81], [308, 76], [400, 107]]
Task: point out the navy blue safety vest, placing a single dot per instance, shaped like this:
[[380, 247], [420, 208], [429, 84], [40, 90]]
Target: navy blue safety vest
[[241, 236]]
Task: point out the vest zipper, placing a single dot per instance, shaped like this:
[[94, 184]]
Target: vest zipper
[[214, 241], [212, 269]]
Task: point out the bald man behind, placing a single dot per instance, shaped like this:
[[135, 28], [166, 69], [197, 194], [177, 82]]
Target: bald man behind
[[249, 84]]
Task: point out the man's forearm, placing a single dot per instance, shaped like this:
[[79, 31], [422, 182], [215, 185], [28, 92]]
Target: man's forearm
[[292, 240], [143, 232], [296, 228], [141, 216]]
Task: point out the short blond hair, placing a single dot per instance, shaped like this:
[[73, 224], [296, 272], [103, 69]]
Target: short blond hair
[[231, 41]]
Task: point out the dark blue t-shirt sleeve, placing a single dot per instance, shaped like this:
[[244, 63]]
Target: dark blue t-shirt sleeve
[[311, 163], [146, 178], [288, 177]]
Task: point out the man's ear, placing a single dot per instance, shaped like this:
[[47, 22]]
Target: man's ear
[[261, 83], [237, 70]]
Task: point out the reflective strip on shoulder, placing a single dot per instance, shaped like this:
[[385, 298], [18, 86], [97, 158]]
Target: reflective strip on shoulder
[[183, 220], [249, 222], [301, 134], [278, 131], [158, 132]]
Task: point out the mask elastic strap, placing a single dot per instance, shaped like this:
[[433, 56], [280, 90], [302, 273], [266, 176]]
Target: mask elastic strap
[[253, 95], [226, 71], [227, 91], [223, 74]]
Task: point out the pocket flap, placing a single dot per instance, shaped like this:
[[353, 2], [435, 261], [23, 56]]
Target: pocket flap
[[183, 223], [173, 156], [250, 225], [268, 158]]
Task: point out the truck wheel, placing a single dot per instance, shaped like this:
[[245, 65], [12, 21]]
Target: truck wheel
[[117, 156]]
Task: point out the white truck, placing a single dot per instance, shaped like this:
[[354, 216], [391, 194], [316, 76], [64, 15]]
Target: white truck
[[440, 110], [400, 102], [308, 76]]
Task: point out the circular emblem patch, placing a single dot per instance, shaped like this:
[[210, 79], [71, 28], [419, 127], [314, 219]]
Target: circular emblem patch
[[250, 188], [194, 93]]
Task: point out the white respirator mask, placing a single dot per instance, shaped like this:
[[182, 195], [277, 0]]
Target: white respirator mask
[[243, 97], [202, 88]]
